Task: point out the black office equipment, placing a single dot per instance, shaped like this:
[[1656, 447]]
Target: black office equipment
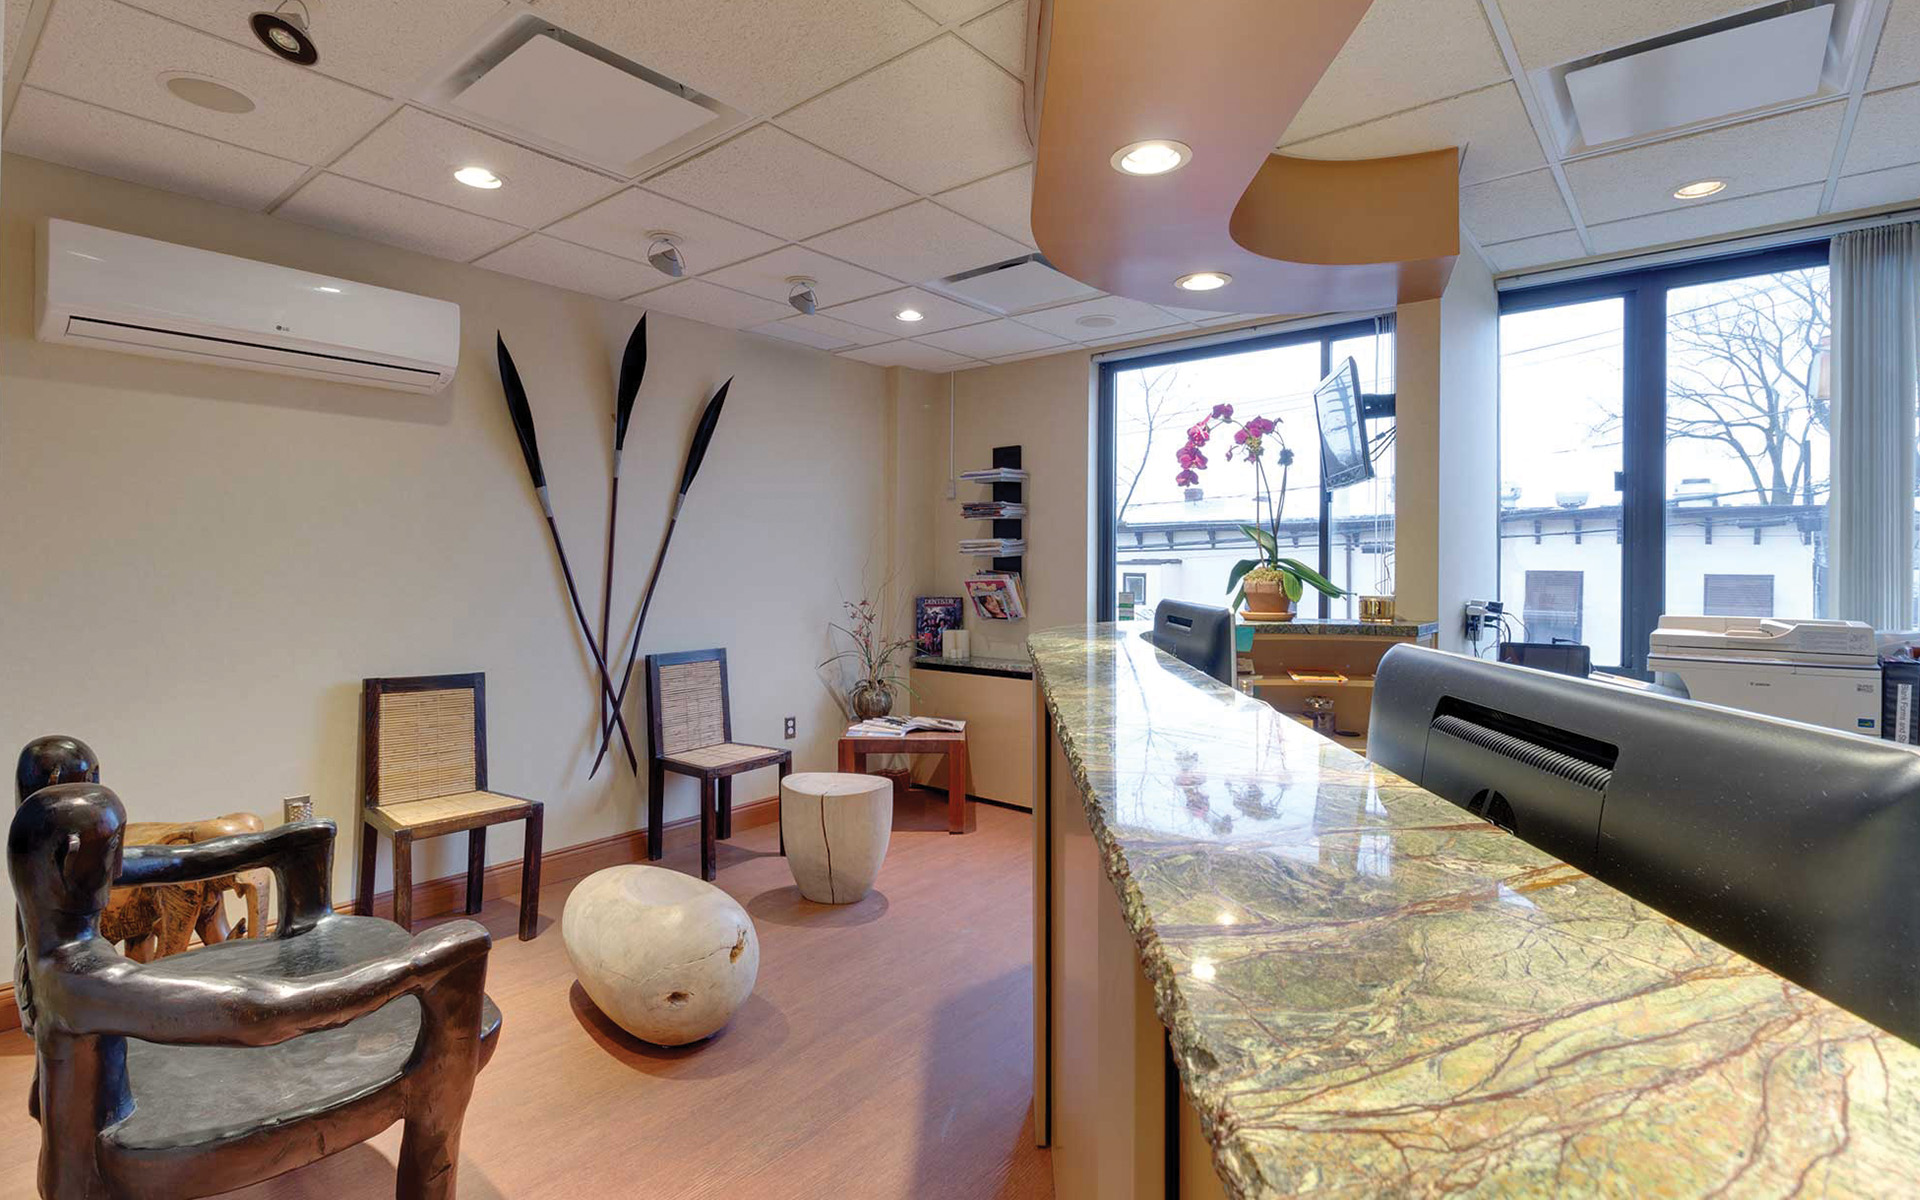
[[1344, 457], [1797, 846], [1562, 658], [1198, 635]]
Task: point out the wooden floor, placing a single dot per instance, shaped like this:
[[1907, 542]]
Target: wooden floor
[[885, 1052]]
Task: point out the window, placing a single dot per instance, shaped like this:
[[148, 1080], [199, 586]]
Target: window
[[1553, 606], [1664, 434], [1738, 596], [1179, 541]]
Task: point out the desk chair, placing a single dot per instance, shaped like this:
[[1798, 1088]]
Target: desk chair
[[423, 761], [691, 725]]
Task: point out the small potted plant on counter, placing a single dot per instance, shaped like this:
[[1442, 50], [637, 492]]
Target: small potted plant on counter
[[1268, 584]]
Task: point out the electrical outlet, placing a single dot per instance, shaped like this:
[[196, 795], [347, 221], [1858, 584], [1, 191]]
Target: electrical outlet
[[1476, 616], [793, 728]]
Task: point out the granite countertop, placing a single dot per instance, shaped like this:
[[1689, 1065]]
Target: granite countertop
[[1019, 668], [1345, 627], [1372, 993]]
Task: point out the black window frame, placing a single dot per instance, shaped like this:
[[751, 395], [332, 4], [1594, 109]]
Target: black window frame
[[1643, 477], [1106, 582]]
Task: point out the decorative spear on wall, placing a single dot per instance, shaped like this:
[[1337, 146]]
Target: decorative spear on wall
[[633, 368], [522, 415], [696, 453]]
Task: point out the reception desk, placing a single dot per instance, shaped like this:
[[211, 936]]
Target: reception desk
[[1264, 967]]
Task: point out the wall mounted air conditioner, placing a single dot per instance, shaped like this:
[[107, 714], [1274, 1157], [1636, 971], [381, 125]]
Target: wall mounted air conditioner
[[116, 291]]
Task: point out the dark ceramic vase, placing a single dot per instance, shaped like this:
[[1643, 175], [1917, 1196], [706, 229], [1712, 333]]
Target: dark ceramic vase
[[871, 698]]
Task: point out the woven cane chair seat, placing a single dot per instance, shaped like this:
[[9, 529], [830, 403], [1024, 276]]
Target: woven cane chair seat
[[727, 756], [456, 810]]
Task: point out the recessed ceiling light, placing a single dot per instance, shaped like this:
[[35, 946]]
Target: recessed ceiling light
[[285, 33], [478, 177], [331, 291], [1155, 157], [1203, 281], [1700, 189], [909, 314], [206, 93]]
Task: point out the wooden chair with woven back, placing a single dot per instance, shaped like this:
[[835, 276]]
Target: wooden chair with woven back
[[424, 774], [691, 726]]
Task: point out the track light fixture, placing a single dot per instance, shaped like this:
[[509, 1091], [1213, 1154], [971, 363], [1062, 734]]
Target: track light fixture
[[287, 33], [665, 256], [801, 296]]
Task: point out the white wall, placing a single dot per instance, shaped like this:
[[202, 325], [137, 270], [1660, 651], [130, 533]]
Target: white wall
[[1467, 513], [203, 563]]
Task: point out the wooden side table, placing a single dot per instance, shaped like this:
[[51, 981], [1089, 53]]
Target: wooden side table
[[952, 746]]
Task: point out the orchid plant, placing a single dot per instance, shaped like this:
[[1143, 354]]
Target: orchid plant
[[1252, 439]]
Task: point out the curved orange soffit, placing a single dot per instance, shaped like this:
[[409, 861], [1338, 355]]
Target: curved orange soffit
[[1298, 235]]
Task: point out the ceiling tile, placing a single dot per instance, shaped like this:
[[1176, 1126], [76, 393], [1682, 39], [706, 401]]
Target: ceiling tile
[[949, 12], [910, 354], [917, 243], [298, 114], [759, 56], [14, 20], [1708, 220], [1754, 156], [772, 180], [1883, 132], [1534, 251], [1013, 358], [1404, 53], [834, 280], [1003, 202], [363, 210], [1547, 33], [822, 333], [624, 222], [109, 143], [698, 300], [417, 153], [1897, 60], [1127, 316], [376, 44], [992, 339], [937, 312], [1896, 185], [1518, 206], [576, 268], [1198, 315], [931, 119], [1489, 125], [1001, 35]]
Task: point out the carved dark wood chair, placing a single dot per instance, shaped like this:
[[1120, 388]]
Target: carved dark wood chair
[[691, 724], [423, 766], [229, 1064]]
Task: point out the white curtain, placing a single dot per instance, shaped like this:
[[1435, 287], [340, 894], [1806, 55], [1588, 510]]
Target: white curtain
[[1876, 300]]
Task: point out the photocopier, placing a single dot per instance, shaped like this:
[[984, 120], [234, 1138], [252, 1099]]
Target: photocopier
[[1822, 672]]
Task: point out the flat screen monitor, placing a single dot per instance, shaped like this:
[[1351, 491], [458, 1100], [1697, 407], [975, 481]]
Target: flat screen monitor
[[1562, 658], [1199, 635], [1343, 429]]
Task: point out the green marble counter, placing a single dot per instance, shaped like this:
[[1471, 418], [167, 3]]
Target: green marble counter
[[1372, 993]]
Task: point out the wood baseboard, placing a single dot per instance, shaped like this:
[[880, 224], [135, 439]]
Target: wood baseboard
[[438, 897]]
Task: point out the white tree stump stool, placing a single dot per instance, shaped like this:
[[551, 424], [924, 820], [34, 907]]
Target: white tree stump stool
[[669, 958], [836, 829]]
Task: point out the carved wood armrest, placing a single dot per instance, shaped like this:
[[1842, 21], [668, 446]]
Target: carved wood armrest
[[300, 855]]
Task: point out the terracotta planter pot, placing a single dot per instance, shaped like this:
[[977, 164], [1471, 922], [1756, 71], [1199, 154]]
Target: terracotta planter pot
[[1267, 601]]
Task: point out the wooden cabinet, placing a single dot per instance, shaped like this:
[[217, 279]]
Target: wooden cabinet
[[998, 710]]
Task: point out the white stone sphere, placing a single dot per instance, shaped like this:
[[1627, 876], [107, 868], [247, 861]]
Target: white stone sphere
[[667, 957]]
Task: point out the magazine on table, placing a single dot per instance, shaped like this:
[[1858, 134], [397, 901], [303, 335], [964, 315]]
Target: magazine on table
[[902, 726]]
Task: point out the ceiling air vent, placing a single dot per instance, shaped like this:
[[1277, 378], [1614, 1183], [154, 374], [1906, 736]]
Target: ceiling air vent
[[1016, 286], [1779, 56], [534, 83]]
